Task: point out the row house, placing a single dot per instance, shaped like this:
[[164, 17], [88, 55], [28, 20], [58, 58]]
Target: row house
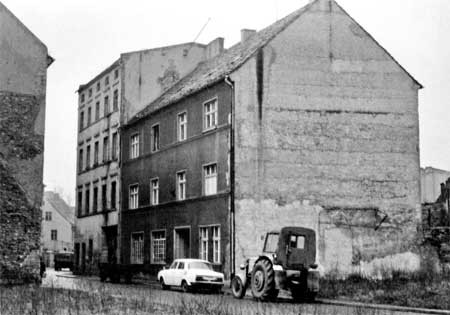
[[308, 122], [105, 104]]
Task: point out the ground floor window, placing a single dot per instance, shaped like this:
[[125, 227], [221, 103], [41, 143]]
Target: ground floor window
[[182, 242], [137, 248], [216, 244], [158, 250], [204, 243]]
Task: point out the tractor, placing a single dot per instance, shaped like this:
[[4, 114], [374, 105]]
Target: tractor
[[286, 263]]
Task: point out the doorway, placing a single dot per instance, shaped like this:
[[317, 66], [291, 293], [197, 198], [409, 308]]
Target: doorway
[[182, 242]]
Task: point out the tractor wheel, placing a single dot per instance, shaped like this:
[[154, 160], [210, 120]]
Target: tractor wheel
[[263, 281], [237, 288]]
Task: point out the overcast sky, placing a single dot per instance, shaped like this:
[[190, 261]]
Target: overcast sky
[[86, 36]]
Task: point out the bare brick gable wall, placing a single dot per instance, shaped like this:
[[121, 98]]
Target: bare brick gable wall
[[20, 157]]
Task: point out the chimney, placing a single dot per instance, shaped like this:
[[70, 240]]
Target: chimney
[[214, 48], [246, 34]]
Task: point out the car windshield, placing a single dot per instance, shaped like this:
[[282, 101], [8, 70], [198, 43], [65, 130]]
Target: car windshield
[[271, 243], [200, 265]]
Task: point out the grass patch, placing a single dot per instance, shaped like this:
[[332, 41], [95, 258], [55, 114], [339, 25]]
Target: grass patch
[[419, 289]]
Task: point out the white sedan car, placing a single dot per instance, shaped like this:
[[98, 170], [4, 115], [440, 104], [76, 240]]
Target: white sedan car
[[191, 274]]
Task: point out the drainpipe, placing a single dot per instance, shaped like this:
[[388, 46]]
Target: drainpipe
[[230, 83]]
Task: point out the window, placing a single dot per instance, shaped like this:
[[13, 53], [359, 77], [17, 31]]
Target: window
[[95, 153], [116, 100], [155, 138], [98, 86], [105, 149], [54, 235], [88, 156], [80, 203], [154, 191], [81, 120], [158, 247], [87, 202], [204, 243], [210, 114], [90, 249], [80, 161], [134, 197], [210, 179], [97, 111], [181, 185], [113, 195], [95, 201], [116, 74], [90, 92], [104, 197], [82, 98], [180, 265], [48, 216], [106, 105], [216, 244], [114, 146], [106, 80], [137, 248], [297, 241], [89, 118], [182, 126], [134, 148]]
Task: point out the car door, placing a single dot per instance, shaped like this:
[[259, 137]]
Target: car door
[[170, 273], [179, 272]]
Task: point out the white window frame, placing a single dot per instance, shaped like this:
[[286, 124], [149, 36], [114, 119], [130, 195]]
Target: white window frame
[[152, 138], [181, 185], [210, 119], [162, 246], [56, 235], [137, 250], [48, 216], [216, 243], [133, 196], [154, 191], [210, 189], [134, 145], [182, 126], [203, 232]]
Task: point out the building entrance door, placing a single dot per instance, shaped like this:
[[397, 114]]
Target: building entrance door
[[182, 242]]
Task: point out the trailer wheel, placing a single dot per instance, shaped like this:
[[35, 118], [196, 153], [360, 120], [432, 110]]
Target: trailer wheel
[[237, 288], [263, 281]]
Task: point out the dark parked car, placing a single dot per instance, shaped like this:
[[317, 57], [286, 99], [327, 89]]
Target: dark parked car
[[63, 260]]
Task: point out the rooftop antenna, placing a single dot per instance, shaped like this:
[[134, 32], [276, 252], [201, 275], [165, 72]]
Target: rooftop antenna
[[201, 30]]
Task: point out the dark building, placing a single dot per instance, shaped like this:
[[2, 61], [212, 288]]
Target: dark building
[[175, 181]]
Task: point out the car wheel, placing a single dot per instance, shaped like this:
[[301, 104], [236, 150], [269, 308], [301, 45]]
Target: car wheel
[[163, 284], [184, 286]]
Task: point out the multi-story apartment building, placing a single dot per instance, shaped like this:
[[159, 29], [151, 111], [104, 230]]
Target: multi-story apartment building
[[57, 227], [24, 60], [105, 103], [308, 122]]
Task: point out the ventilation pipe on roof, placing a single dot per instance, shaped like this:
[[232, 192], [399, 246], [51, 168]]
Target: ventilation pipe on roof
[[246, 34], [214, 48]]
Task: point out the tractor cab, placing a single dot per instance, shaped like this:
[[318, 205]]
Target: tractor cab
[[294, 248]]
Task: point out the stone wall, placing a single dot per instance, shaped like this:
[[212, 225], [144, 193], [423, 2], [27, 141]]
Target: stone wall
[[327, 137]]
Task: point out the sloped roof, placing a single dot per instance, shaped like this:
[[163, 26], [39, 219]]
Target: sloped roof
[[215, 69], [60, 205]]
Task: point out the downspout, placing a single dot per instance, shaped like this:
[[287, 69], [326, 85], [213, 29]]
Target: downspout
[[230, 83]]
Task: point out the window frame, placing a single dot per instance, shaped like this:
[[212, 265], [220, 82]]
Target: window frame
[[152, 199], [132, 247], [203, 252], [96, 152], [115, 146], [129, 196], [182, 124], [216, 112], [48, 216], [55, 233], [152, 138], [217, 239], [134, 147], [152, 252], [178, 197], [204, 178]]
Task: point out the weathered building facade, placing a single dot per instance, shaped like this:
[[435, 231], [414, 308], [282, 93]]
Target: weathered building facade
[[323, 133], [105, 103], [23, 74], [57, 227]]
